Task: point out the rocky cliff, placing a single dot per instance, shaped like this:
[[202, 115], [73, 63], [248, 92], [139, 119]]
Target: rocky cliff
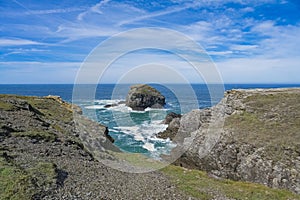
[[251, 135], [143, 96]]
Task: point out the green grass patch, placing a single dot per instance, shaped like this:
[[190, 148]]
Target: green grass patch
[[17, 183], [198, 184], [6, 106]]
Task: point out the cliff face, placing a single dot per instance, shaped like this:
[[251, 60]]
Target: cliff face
[[251, 135]]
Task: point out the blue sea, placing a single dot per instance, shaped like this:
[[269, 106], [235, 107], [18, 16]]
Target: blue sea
[[133, 131]]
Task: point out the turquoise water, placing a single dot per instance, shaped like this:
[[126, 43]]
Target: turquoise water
[[133, 131]]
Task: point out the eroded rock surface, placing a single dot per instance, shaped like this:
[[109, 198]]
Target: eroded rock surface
[[173, 121], [144, 96]]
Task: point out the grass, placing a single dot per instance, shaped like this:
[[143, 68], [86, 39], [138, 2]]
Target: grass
[[52, 109], [6, 106], [14, 182], [198, 184], [268, 118], [138, 160], [271, 121], [17, 183]]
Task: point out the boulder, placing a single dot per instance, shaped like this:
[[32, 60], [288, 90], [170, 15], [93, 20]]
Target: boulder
[[144, 96]]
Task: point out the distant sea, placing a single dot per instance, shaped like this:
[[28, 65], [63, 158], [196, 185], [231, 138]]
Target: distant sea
[[133, 131]]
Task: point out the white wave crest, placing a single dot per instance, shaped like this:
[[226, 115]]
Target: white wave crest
[[149, 146], [108, 101], [95, 107], [156, 109]]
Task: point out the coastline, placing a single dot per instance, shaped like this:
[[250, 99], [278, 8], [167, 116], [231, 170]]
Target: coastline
[[55, 155]]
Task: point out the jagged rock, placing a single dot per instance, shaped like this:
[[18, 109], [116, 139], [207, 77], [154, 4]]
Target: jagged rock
[[170, 116], [173, 121], [143, 96]]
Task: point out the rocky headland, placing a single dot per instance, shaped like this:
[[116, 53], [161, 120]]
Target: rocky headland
[[143, 96], [258, 140]]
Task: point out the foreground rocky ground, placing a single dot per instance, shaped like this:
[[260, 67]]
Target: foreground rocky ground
[[42, 157], [44, 154]]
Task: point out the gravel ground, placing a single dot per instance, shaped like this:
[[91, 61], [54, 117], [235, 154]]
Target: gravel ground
[[82, 177]]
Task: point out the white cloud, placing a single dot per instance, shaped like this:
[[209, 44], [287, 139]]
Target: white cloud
[[29, 50], [156, 14], [217, 3], [18, 42], [243, 47], [23, 51], [38, 72], [201, 31], [52, 11], [216, 53], [260, 70], [96, 9], [278, 41], [247, 9], [35, 64], [76, 32]]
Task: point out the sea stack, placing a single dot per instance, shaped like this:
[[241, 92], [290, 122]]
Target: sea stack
[[143, 96]]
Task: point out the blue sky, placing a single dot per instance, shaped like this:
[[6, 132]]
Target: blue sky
[[250, 41]]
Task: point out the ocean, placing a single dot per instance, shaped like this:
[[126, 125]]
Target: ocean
[[133, 131]]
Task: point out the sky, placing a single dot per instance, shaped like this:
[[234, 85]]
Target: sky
[[248, 41]]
